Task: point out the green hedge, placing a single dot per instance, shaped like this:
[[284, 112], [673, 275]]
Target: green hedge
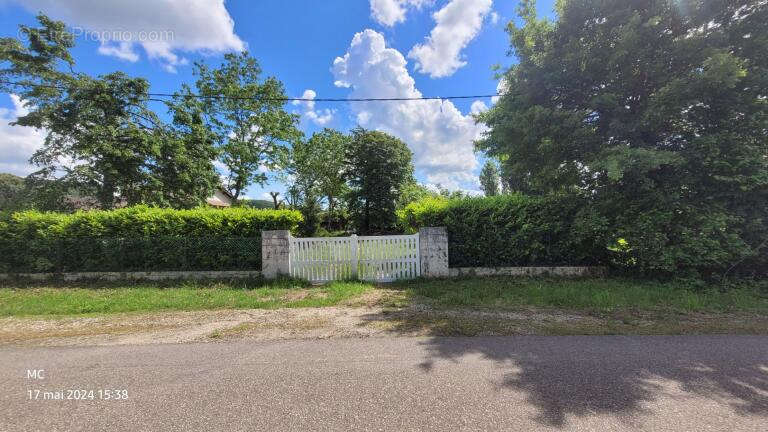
[[514, 230], [138, 238]]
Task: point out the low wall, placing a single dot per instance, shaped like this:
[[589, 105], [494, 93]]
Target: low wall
[[529, 271], [150, 275]]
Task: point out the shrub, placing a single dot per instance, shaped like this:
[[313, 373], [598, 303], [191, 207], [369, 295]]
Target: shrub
[[514, 230], [138, 238]]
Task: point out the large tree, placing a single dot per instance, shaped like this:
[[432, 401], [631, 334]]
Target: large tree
[[102, 137], [658, 110], [318, 163], [253, 130], [378, 167], [184, 165]]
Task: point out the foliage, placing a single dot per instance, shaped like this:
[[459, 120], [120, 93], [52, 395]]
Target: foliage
[[322, 159], [412, 192], [378, 167], [658, 111], [514, 230], [251, 127], [186, 176], [12, 193], [101, 134], [450, 194], [310, 212], [317, 166], [257, 204], [136, 238], [489, 178]]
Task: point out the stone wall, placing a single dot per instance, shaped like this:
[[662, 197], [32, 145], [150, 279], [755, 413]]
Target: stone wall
[[150, 275]]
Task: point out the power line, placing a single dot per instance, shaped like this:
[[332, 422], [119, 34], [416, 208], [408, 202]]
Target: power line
[[281, 99]]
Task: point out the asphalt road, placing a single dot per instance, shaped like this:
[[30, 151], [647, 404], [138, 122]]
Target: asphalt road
[[676, 383]]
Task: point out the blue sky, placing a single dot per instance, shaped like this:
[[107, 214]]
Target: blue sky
[[330, 48]]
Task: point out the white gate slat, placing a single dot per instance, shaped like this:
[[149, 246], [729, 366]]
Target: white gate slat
[[373, 258]]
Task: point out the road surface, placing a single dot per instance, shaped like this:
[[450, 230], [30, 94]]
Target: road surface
[[605, 383]]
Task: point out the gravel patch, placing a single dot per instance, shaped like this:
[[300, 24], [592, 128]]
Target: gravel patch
[[350, 322]]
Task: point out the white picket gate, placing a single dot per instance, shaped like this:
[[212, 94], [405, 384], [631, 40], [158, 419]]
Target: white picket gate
[[372, 258]]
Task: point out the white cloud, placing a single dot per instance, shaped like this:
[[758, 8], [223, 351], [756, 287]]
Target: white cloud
[[457, 24], [17, 143], [477, 107], [319, 117], [391, 12], [162, 27], [435, 187], [501, 88], [122, 50], [439, 135], [494, 18]]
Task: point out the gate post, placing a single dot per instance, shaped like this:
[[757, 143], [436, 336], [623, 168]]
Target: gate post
[[275, 253], [433, 251]]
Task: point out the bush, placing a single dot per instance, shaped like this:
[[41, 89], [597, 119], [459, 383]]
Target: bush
[[514, 230], [138, 238]]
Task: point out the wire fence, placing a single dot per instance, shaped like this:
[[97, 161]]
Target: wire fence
[[132, 254]]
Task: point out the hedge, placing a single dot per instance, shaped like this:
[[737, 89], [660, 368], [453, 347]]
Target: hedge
[[513, 230], [138, 238]]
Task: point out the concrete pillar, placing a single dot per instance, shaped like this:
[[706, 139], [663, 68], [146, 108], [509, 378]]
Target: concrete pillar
[[433, 251], [274, 253]]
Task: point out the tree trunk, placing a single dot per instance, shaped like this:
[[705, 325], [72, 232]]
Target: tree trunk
[[107, 193], [238, 188]]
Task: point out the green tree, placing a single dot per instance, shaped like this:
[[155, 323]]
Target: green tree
[[13, 194], [413, 191], [489, 178], [657, 110], [184, 167], [378, 167], [100, 132], [252, 128], [101, 135], [318, 163], [309, 206]]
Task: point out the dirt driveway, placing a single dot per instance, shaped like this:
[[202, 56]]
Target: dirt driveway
[[345, 322]]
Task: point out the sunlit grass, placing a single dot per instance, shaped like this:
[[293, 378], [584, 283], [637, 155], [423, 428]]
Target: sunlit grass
[[184, 296], [601, 295], [586, 294]]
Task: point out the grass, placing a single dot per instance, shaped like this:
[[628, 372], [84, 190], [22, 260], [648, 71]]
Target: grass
[[109, 298], [600, 295]]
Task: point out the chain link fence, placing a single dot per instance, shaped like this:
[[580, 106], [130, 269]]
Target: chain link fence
[[132, 254]]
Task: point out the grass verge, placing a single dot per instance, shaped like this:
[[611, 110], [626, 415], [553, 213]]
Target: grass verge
[[598, 295], [183, 296], [471, 306]]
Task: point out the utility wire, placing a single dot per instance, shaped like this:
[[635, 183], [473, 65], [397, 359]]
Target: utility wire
[[280, 99]]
